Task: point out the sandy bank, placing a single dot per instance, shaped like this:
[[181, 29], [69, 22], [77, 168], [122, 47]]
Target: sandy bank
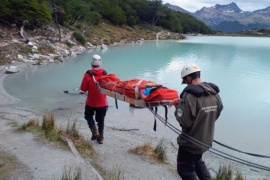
[[5, 98]]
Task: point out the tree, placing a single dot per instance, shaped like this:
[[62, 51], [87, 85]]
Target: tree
[[23, 13], [29, 10], [5, 9], [157, 10]]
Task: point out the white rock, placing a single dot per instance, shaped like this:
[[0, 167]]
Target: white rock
[[34, 56], [28, 61], [51, 61], [89, 44], [34, 47], [20, 56], [30, 43]]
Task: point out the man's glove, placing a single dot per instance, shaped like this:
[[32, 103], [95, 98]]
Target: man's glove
[[178, 113]]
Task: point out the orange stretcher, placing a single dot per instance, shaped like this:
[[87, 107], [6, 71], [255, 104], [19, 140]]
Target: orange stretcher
[[138, 92]]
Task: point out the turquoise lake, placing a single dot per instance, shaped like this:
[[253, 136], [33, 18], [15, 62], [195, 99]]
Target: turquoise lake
[[240, 66]]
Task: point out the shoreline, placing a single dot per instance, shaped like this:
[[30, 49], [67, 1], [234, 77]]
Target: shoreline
[[6, 98]]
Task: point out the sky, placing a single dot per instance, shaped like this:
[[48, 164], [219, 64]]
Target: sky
[[194, 5]]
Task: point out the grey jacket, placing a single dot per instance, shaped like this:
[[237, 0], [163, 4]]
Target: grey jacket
[[199, 108]]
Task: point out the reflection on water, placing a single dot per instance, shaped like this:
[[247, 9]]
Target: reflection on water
[[239, 66]]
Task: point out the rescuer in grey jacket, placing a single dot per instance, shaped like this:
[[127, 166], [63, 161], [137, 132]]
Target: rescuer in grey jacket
[[197, 110]]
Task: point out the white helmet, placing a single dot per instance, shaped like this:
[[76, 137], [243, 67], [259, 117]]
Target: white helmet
[[96, 61], [189, 69]]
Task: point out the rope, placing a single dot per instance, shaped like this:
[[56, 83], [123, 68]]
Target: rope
[[251, 154], [211, 149]]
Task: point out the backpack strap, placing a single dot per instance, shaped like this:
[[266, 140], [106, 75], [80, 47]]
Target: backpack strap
[[104, 72], [91, 73]]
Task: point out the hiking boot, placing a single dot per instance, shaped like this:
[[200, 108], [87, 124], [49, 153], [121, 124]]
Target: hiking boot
[[95, 133], [100, 138]]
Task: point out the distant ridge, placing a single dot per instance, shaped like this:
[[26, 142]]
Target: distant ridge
[[229, 17], [176, 8]]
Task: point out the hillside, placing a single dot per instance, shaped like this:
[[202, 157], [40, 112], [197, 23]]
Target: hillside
[[43, 43]]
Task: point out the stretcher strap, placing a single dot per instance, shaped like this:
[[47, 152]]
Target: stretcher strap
[[166, 114], [116, 103], [155, 121], [136, 86]]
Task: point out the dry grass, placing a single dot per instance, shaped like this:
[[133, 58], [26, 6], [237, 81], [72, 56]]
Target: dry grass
[[227, 173], [51, 132], [144, 150], [72, 174], [72, 129], [7, 163], [158, 153], [30, 125], [108, 34], [115, 174]]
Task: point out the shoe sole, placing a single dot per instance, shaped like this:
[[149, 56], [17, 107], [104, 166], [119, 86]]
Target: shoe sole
[[100, 141]]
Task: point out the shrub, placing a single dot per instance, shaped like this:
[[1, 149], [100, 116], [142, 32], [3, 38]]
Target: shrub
[[79, 37]]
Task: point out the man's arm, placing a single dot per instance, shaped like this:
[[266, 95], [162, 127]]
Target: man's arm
[[184, 114], [84, 84]]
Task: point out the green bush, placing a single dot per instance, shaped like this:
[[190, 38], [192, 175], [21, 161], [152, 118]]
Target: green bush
[[79, 37]]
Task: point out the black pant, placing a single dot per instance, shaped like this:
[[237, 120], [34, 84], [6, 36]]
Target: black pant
[[189, 165], [99, 113]]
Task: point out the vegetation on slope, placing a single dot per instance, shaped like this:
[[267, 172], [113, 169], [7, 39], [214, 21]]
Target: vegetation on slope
[[34, 13]]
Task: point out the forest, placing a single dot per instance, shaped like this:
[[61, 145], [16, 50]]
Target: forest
[[32, 14]]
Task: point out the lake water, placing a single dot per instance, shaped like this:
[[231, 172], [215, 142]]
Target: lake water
[[240, 66]]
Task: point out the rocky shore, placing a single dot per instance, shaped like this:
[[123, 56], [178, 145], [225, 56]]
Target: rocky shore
[[44, 45]]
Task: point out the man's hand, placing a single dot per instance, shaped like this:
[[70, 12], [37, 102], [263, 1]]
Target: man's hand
[[174, 102]]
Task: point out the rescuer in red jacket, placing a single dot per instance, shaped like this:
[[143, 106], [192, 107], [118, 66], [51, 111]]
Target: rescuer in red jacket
[[96, 103]]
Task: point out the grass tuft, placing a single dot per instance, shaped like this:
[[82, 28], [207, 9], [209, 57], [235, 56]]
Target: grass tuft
[[72, 129], [72, 174], [145, 150], [158, 153], [49, 131], [48, 126], [226, 173], [115, 174], [30, 125], [48, 121]]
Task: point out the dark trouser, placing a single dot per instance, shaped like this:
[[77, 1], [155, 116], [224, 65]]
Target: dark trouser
[[189, 165], [99, 113]]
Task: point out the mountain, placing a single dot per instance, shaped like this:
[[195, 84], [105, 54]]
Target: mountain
[[230, 18], [177, 8]]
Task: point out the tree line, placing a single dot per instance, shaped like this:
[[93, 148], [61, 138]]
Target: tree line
[[35, 13]]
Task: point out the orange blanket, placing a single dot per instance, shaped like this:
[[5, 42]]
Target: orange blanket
[[138, 88]]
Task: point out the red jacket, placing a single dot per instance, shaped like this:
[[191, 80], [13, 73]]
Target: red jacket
[[94, 97]]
